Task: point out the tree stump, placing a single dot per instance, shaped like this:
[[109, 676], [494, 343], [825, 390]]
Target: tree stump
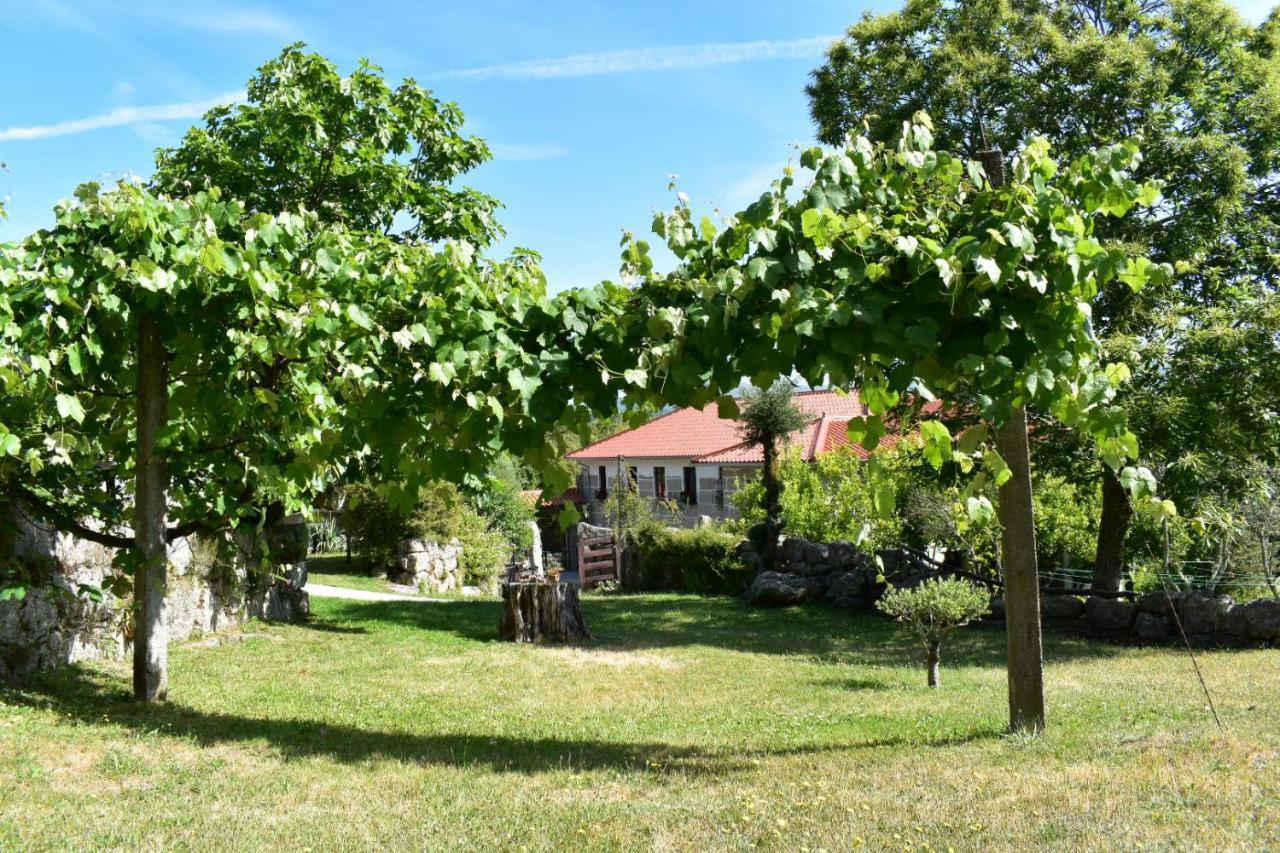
[[542, 612]]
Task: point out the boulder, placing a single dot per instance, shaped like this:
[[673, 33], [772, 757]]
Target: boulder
[[1061, 607], [995, 610], [430, 566], [793, 550], [1150, 626], [1157, 603], [816, 554], [778, 589], [1202, 614], [843, 556], [1256, 620], [810, 568], [848, 590], [1110, 614], [753, 561]]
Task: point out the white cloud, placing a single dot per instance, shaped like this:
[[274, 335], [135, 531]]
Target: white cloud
[[118, 117], [585, 64], [232, 21], [645, 59], [516, 151]]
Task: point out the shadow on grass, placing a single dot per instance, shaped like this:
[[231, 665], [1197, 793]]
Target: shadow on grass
[[89, 698], [630, 622]]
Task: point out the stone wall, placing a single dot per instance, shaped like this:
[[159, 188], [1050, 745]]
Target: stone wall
[[429, 566], [841, 576], [1157, 617], [214, 582]]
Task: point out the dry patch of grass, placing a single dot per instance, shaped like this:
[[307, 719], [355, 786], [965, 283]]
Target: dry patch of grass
[[692, 724]]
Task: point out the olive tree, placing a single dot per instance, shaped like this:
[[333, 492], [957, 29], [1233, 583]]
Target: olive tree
[[933, 610]]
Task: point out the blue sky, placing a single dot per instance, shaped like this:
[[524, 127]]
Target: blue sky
[[589, 107]]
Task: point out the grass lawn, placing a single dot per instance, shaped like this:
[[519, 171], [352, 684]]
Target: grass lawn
[[334, 570], [691, 724]]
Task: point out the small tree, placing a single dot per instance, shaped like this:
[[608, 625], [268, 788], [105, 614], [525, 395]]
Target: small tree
[[935, 609], [770, 416]]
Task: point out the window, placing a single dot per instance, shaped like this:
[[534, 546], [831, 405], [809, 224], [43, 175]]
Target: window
[[603, 491], [660, 482], [691, 485]]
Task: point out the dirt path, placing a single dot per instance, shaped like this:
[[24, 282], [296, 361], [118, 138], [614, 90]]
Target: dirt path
[[324, 591]]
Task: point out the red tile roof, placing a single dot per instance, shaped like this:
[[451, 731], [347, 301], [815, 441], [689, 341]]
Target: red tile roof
[[702, 435]]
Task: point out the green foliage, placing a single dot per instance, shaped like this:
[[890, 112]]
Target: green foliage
[[352, 149], [314, 324], [1204, 348], [439, 513], [374, 527], [701, 560], [503, 508], [771, 414], [832, 499], [934, 609], [901, 270], [1066, 518]]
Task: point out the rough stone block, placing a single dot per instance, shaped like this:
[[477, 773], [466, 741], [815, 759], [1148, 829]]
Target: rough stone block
[[1151, 626], [777, 589], [1061, 607], [1256, 620], [1110, 614], [1202, 614]]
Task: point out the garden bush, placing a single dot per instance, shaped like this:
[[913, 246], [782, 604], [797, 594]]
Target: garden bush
[[701, 560], [825, 501], [500, 503], [440, 514]]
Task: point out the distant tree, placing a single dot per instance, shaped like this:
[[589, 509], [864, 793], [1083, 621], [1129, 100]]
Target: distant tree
[[933, 610], [768, 417], [1197, 84], [352, 149]]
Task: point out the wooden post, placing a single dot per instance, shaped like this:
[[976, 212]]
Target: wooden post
[[150, 632], [1018, 554]]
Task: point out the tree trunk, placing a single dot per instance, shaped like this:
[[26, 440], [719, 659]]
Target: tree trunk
[[542, 613], [772, 512], [1021, 580], [1108, 564], [935, 661], [150, 632]]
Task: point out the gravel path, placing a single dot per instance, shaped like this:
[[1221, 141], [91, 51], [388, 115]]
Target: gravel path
[[325, 591]]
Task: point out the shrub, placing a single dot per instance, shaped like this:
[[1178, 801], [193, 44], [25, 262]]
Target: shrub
[[500, 503], [934, 609], [826, 501], [374, 528], [1066, 523], [701, 560], [440, 514]]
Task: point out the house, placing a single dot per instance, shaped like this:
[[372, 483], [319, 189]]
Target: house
[[694, 459]]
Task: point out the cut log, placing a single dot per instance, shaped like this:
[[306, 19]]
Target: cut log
[[542, 613]]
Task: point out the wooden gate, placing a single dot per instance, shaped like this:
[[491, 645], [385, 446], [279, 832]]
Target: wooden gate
[[598, 560]]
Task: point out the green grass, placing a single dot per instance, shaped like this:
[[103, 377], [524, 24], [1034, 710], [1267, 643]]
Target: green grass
[[335, 570], [690, 724]]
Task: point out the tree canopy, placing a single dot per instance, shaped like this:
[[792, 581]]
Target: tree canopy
[[1198, 86], [351, 149]]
